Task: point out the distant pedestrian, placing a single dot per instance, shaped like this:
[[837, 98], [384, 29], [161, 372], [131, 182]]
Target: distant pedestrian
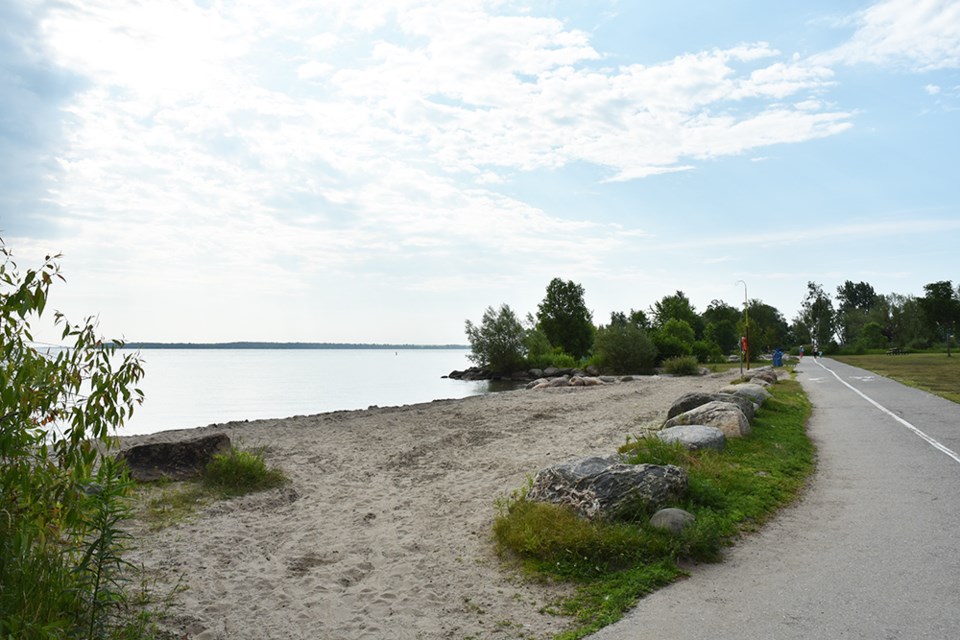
[[801, 352]]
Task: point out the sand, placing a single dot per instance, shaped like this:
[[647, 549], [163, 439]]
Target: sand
[[385, 528]]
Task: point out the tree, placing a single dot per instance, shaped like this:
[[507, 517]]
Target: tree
[[768, 328], [817, 315], [564, 318], [624, 348], [60, 543], [941, 308], [720, 325], [499, 342], [855, 302], [677, 307]]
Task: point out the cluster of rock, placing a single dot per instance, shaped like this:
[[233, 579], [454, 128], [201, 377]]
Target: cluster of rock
[[607, 488], [543, 378], [478, 373]]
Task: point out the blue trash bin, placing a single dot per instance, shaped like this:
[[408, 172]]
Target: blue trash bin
[[778, 358]]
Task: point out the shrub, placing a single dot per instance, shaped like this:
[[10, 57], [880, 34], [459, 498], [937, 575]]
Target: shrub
[[61, 575], [669, 347], [624, 349], [239, 472], [707, 351], [498, 343], [682, 366]]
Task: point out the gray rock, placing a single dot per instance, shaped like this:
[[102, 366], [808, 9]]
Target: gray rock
[[695, 436], [673, 520], [173, 460], [606, 489], [723, 415], [754, 392], [766, 374], [535, 383], [694, 399]]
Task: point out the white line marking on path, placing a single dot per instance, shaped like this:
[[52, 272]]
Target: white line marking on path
[[936, 445]]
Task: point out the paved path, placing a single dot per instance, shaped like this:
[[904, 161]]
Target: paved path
[[872, 551]]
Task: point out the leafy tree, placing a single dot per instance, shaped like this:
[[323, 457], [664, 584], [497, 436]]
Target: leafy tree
[[674, 339], [499, 342], [721, 322], [679, 329], [60, 540], [624, 348], [564, 318], [768, 328], [854, 303], [817, 315], [941, 308], [677, 307], [871, 337], [906, 325]]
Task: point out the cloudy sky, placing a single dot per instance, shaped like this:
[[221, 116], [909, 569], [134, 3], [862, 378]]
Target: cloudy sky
[[380, 171]]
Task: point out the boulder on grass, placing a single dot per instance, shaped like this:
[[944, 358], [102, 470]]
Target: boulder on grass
[[723, 415], [694, 436], [766, 374], [173, 460], [672, 519], [602, 488], [754, 392], [695, 399]]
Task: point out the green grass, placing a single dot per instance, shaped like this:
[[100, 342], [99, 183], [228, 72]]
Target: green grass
[[240, 472], [228, 475], [613, 564], [932, 372]]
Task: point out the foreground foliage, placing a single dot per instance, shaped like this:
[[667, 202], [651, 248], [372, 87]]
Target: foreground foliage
[[615, 563], [61, 572]]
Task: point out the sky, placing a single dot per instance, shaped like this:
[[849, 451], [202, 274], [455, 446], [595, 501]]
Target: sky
[[381, 171]]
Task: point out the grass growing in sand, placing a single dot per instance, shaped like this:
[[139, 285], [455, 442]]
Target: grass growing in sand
[[614, 564], [932, 372], [228, 475]]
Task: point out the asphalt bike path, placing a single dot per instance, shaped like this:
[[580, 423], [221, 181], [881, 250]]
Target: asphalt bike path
[[871, 550]]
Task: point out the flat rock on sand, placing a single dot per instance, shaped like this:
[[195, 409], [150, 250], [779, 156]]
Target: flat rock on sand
[[385, 529]]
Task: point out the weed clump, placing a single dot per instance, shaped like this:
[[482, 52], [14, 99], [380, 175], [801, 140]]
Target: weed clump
[[682, 366], [239, 472]]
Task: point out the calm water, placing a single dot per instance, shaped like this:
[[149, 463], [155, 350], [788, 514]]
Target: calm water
[[187, 388]]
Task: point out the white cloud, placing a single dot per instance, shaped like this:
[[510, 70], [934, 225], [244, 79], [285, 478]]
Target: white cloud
[[922, 35], [932, 89]]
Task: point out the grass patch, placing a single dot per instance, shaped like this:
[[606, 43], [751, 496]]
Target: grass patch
[[613, 564], [931, 372], [240, 472], [228, 475]]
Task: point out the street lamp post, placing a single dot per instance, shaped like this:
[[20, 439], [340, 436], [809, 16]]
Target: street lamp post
[[746, 328]]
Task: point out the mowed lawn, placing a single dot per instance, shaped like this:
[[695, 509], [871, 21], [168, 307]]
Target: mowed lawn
[[933, 372]]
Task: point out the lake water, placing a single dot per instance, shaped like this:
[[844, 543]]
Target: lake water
[[187, 388]]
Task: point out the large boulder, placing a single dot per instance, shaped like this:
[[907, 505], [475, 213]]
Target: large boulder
[[723, 415], [753, 392], [602, 488], [766, 374], [173, 460], [694, 436], [694, 399]]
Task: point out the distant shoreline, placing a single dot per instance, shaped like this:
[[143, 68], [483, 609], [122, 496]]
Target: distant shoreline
[[284, 345]]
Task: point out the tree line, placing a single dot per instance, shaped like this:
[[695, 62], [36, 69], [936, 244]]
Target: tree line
[[562, 333]]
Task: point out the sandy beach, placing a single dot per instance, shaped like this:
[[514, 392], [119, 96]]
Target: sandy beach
[[385, 528]]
